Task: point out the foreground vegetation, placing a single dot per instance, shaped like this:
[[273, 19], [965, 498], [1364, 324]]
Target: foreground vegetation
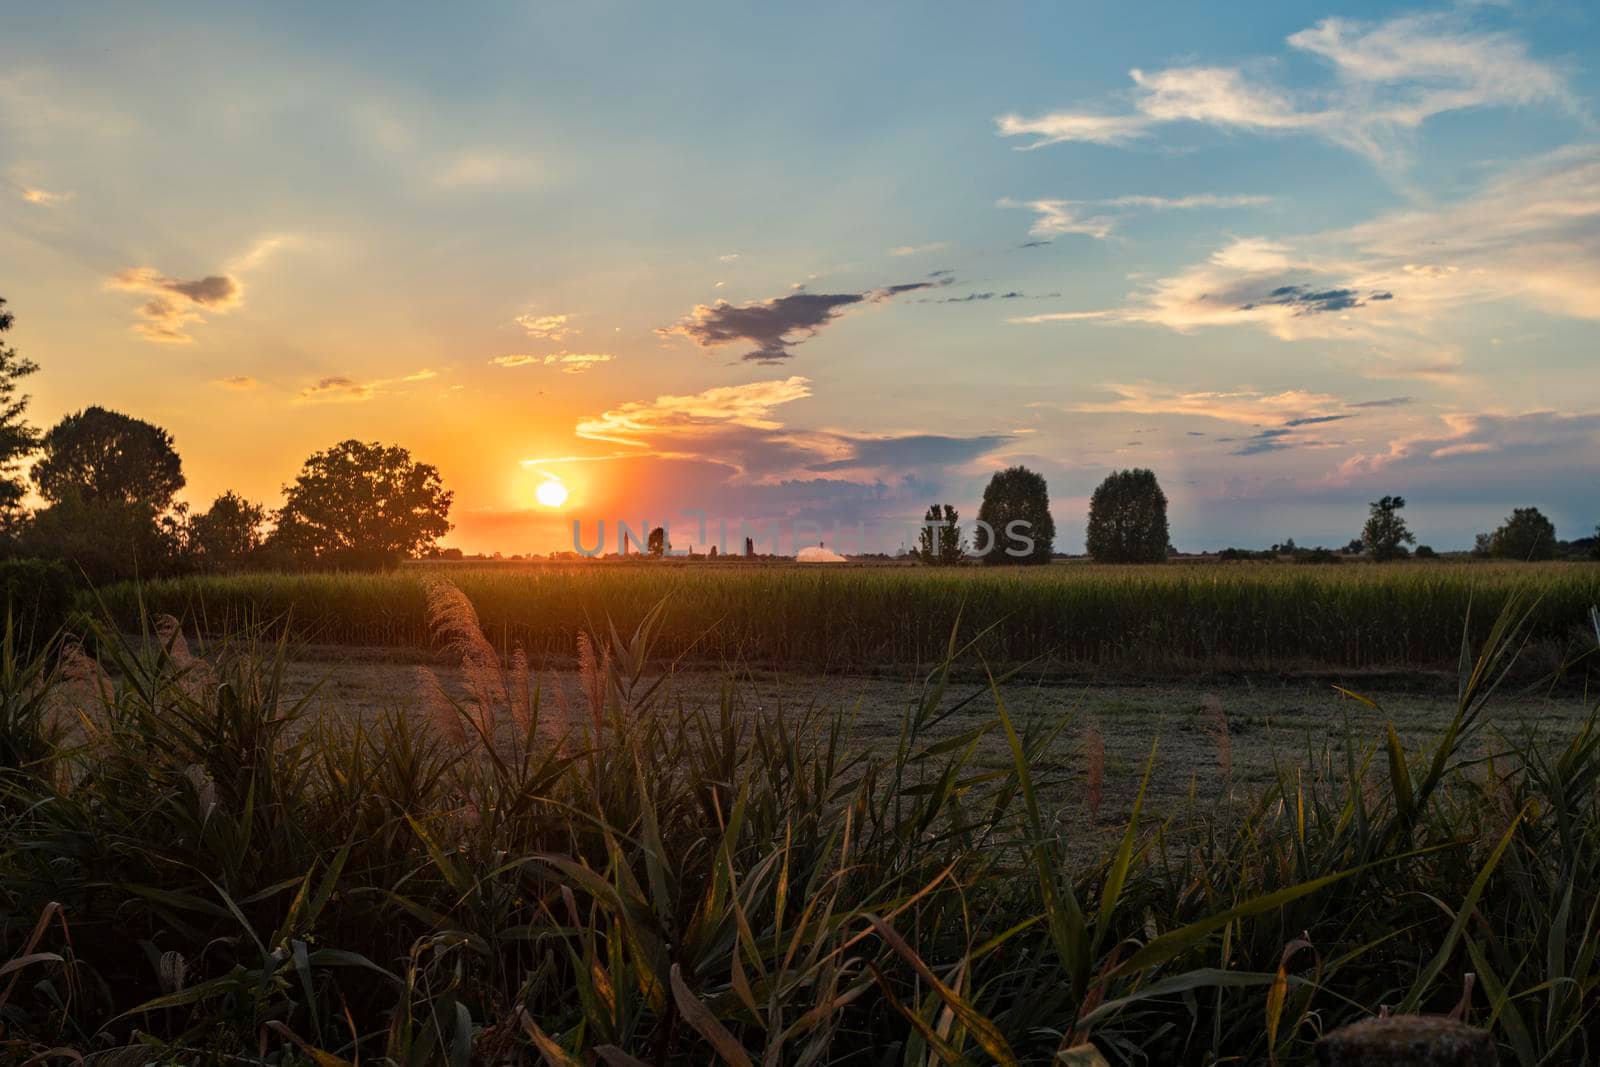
[[1146, 619], [190, 866]]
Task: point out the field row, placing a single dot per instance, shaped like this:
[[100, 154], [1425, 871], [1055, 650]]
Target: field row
[[1237, 616]]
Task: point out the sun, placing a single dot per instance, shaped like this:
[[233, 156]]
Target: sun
[[551, 493]]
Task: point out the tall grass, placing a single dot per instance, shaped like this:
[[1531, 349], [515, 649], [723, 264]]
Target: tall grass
[[1233, 616], [194, 870]]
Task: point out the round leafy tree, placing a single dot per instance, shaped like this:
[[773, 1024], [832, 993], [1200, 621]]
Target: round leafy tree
[[105, 457], [1016, 512], [1527, 534], [1128, 519], [362, 506]]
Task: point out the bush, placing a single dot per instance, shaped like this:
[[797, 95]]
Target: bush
[[38, 594], [1426, 552]]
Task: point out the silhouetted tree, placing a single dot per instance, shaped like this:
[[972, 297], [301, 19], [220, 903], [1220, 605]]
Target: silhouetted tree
[[17, 437], [227, 533], [362, 506], [1128, 519], [657, 545], [109, 480], [102, 456], [941, 540], [1386, 534], [1526, 534], [1594, 549], [1017, 496]]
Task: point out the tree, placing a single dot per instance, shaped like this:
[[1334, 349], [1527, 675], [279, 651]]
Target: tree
[[657, 544], [1015, 514], [941, 540], [101, 456], [105, 540], [227, 533], [1526, 534], [1386, 535], [1128, 519], [1594, 549], [17, 438], [362, 506]]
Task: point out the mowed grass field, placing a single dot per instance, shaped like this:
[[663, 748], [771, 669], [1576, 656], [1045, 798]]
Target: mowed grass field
[[1178, 618]]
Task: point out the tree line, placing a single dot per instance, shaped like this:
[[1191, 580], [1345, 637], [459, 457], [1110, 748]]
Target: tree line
[[1127, 523], [106, 487]]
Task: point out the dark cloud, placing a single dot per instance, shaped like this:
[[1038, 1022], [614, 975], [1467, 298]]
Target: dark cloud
[[1034, 244], [911, 451], [1386, 402], [775, 326], [173, 303], [1194, 433], [941, 273], [970, 297], [1308, 301], [1312, 420], [1266, 441]]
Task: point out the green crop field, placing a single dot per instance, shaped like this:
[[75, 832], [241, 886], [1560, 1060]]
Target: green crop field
[[1178, 617]]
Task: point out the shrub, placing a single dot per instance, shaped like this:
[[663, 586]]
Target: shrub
[[1526, 535], [38, 595]]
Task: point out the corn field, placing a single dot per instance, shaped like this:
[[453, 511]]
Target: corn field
[[1175, 617], [192, 872]]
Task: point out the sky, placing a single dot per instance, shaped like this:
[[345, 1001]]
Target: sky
[[827, 263]]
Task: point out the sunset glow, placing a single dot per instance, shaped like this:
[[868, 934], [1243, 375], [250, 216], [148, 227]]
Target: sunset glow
[[551, 493], [1276, 262]]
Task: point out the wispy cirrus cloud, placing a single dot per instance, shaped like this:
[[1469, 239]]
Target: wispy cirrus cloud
[[750, 406], [546, 327], [775, 326], [569, 362], [1388, 78], [1530, 234], [238, 383], [1100, 218], [340, 389], [486, 170], [45, 197]]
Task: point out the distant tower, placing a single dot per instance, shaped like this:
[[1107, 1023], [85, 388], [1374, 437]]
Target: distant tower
[[749, 548]]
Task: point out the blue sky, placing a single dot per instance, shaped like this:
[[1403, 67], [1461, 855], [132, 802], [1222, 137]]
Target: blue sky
[[1292, 259]]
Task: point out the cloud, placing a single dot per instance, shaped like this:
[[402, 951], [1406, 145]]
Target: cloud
[[44, 197], [569, 362], [918, 250], [1011, 294], [1388, 78], [482, 170], [1307, 301], [339, 389], [1289, 408], [546, 327], [1498, 448], [173, 304], [1530, 234], [1314, 420], [239, 383], [748, 405], [1386, 402], [775, 326], [1056, 218]]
